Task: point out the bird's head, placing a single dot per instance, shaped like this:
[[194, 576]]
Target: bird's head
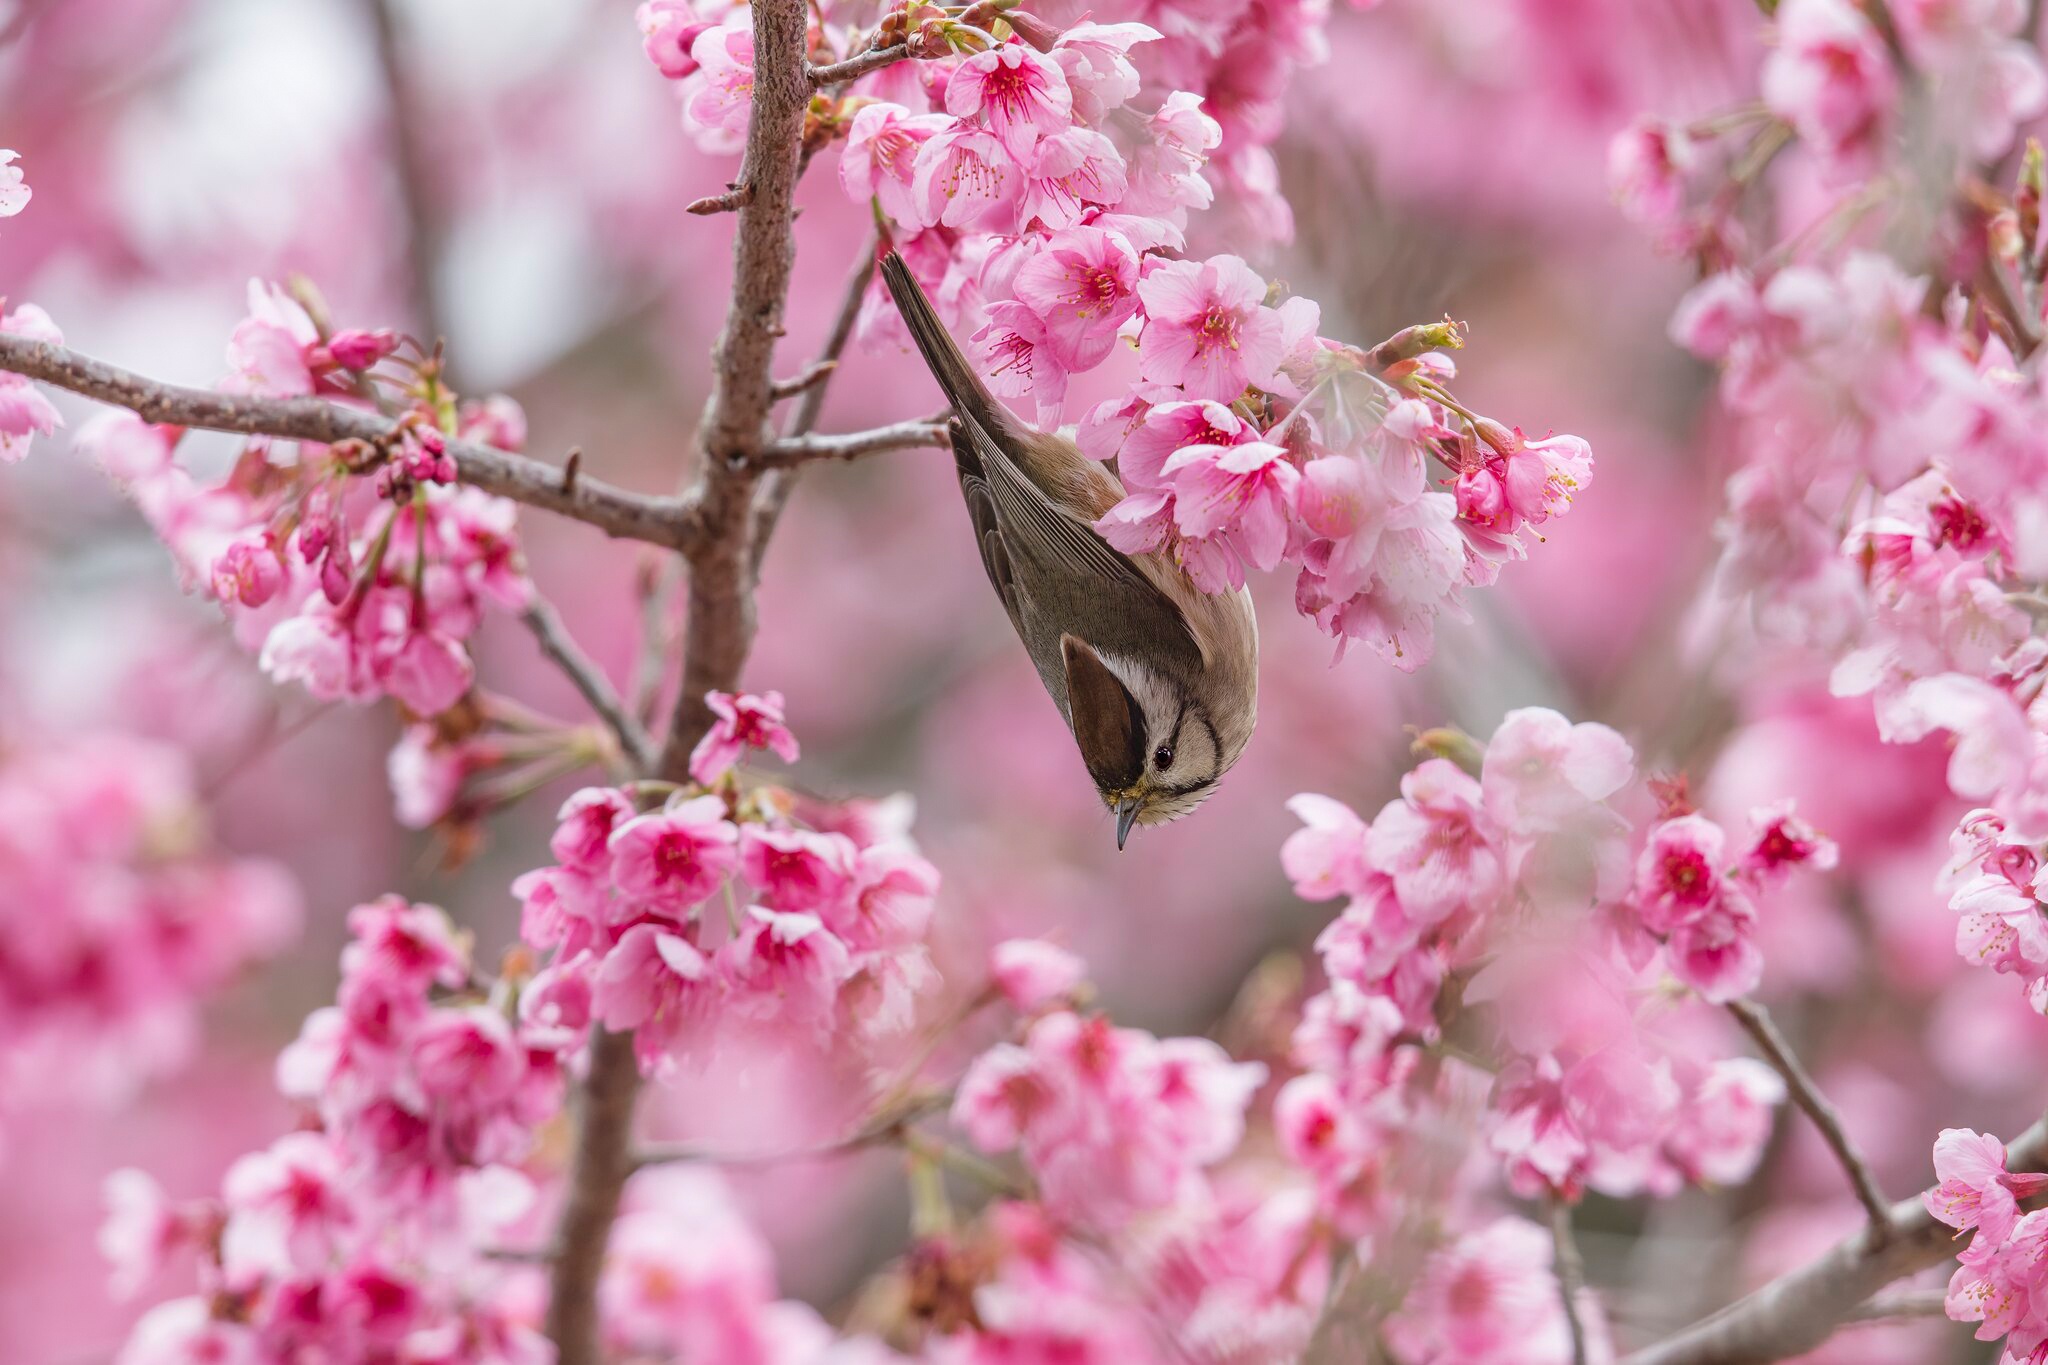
[[1151, 748]]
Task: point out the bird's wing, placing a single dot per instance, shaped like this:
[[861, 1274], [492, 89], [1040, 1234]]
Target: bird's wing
[[1069, 555]]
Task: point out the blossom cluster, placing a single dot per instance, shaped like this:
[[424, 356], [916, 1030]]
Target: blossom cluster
[[1039, 178], [1998, 1281], [1888, 511], [361, 1237], [118, 915], [815, 922], [1526, 907], [355, 571]]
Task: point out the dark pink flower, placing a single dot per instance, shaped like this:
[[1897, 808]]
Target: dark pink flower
[[743, 721], [675, 858], [1020, 95]]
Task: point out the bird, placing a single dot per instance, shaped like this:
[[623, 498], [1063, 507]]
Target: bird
[[1157, 680]]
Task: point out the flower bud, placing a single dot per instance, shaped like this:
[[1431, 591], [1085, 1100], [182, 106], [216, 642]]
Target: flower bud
[[1033, 29], [358, 349]]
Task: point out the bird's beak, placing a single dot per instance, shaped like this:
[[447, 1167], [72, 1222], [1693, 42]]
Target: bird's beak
[[1126, 816]]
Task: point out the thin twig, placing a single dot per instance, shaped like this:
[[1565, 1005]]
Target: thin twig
[[851, 446], [736, 197], [634, 516], [1757, 1022], [815, 373], [654, 585], [887, 1126], [555, 641], [1801, 1309], [853, 68], [776, 488], [423, 224], [1571, 1274]]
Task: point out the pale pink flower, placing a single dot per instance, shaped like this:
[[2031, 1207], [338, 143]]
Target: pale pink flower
[[409, 945], [1783, 841], [1438, 845], [797, 870], [880, 159], [1973, 1188], [1207, 327], [672, 859], [962, 173], [785, 969], [1082, 286], [429, 673], [1014, 351], [1327, 857], [1169, 427], [722, 95], [893, 893], [14, 190], [659, 984], [1018, 94], [288, 1207], [268, 352], [140, 1232], [743, 721], [1680, 875], [1542, 774], [1096, 60], [1715, 952], [1490, 1298], [1032, 973], [1319, 1131], [584, 825], [1720, 1131], [562, 906], [1164, 175], [1647, 165], [1067, 174], [1231, 507], [1830, 77], [24, 412], [184, 1332], [668, 29], [1716, 314]]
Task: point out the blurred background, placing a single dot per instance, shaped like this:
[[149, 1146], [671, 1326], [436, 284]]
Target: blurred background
[[510, 174]]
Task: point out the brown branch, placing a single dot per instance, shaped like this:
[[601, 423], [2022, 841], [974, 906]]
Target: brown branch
[[555, 641], [1571, 1274], [776, 488], [853, 68], [719, 627], [1798, 1311], [1756, 1021], [597, 1178], [736, 197], [635, 516], [814, 374], [793, 450], [424, 231], [1903, 1304]]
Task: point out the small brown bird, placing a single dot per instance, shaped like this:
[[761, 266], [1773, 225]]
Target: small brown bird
[[1157, 679]]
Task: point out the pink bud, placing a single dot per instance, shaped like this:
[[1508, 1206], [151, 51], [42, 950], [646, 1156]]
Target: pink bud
[[247, 572], [357, 349]]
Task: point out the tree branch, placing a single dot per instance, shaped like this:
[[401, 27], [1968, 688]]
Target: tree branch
[[1757, 1022], [556, 642], [720, 626], [853, 68], [792, 450], [635, 516], [815, 373], [1799, 1310], [423, 226], [776, 488], [1571, 1274]]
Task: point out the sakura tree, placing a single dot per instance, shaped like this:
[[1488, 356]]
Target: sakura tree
[[1600, 964]]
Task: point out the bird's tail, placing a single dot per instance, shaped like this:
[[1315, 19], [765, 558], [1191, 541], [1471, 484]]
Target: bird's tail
[[969, 396]]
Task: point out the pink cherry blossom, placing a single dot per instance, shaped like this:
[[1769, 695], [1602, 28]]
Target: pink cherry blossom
[[1082, 286], [1207, 327], [785, 969], [743, 721], [24, 412], [1647, 165], [1231, 507], [1068, 173], [796, 870], [880, 158], [1032, 973], [1015, 352], [675, 858], [722, 89], [1099, 71], [1830, 76], [668, 30], [1438, 844], [1327, 857], [1974, 1190], [1018, 94], [657, 983], [962, 174], [14, 190], [1490, 1298], [584, 826]]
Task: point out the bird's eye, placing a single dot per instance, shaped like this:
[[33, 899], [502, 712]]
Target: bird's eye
[[1162, 756]]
